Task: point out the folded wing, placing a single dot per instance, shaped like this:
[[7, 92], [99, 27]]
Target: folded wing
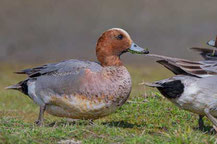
[[69, 66], [194, 68]]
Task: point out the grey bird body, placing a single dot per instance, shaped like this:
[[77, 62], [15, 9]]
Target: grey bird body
[[194, 88], [190, 93], [78, 89]]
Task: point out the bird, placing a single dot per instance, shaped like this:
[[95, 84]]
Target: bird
[[208, 53], [193, 88], [83, 89]]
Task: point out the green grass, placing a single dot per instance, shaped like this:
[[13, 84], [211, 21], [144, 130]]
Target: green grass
[[147, 117]]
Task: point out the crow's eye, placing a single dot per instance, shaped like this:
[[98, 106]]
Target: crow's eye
[[120, 37]]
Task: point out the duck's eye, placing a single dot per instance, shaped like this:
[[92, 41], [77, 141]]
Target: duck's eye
[[120, 37]]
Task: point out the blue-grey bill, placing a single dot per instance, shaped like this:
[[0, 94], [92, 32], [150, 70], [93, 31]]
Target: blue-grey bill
[[138, 50], [211, 43]]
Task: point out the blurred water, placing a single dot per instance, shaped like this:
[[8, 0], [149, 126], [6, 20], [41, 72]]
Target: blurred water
[[52, 30]]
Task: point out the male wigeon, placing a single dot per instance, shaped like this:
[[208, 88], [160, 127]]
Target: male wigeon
[[83, 89], [193, 88]]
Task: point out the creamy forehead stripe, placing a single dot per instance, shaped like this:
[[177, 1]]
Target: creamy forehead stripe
[[119, 29]]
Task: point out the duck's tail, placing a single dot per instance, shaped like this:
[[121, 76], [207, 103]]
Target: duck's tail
[[15, 87], [168, 88], [152, 84], [21, 86]]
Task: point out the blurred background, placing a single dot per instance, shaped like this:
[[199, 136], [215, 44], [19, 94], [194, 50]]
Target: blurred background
[[43, 31], [34, 32]]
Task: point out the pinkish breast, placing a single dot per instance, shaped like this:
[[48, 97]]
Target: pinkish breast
[[100, 94]]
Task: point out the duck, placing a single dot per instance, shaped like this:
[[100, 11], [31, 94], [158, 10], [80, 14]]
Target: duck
[[83, 89], [193, 88], [208, 53]]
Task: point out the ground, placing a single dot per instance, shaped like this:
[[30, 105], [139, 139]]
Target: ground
[[147, 117]]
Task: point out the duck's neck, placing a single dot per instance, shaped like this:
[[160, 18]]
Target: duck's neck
[[105, 53], [110, 61]]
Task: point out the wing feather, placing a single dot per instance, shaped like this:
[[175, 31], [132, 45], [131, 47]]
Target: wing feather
[[186, 67], [69, 66]]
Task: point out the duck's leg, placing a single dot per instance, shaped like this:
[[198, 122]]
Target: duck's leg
[[211, 118], [91, 122], [40, 120], [200, 122]]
